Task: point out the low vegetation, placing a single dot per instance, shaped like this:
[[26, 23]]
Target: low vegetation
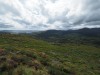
[[21, 54]]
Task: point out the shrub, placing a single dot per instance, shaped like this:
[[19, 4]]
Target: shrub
[[55, 71]]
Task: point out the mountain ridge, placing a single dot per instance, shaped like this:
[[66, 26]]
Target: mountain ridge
[[71, 36]]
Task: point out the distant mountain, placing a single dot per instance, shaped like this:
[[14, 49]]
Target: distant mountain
[[84, 36], [81, 36], [84, 31]]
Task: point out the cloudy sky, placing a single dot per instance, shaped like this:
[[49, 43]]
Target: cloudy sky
[[49, 14]]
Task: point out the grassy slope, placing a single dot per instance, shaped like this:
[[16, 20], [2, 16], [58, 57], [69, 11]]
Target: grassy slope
[[28, 56]]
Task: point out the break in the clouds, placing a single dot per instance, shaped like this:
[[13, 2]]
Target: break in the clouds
[[49, 14]]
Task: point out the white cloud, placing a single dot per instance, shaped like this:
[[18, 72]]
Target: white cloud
[[48, 14]]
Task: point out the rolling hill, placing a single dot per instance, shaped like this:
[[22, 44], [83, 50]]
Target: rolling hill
[[82, 36], [32, 54]]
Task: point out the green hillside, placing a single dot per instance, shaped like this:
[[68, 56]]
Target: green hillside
[[83, 36], [22, 54]]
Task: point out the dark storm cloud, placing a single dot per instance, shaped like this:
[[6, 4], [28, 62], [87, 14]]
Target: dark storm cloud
[[62, 17], [22, 22], [92, 13], [5, 26], [95, 16], [4, 8]]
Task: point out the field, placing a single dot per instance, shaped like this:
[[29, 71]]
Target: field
[[22, 54]]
